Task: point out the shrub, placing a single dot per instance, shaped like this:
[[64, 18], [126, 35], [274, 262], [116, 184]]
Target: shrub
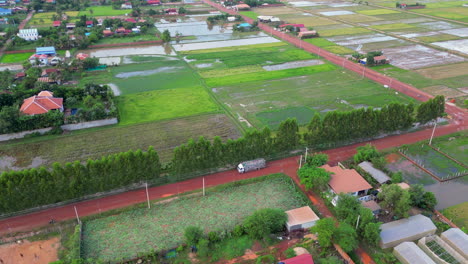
[[317, 160], [267, 259], [193, 234], [289, 253], [203, 247], [264, 222]]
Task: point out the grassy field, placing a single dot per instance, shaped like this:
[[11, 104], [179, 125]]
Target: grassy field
[[411, 173], [374, 12], [339, 50], [15, 58], [141, 230], [42, 19], [316, 92], [164, 104], [438, 37], [455, 145], [95, 143], [250, 14], [458, 214], [103, 11]]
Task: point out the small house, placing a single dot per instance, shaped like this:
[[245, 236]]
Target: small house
[[154, 2], [301, 218], [41, 103], [82, 56], [5, 12], [347, 181], [50, 1], [46, 51], [244, 26], [56, 23], [171, 11], [107, 33], [39, 59], [293, 27], [47, 72], [70, 26], [28, 34], [20, 76], [307, 34], [3, 2], [136, 30], [126, 6], [380, 60], [301, 259], [131, 20], [3, 21], [373, 206], [89, 23]]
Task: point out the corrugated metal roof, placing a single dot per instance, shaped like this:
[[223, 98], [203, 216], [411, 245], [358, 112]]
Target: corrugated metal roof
[[45, 50], [457, 239], [411, 228], [409, 252], [377, 174]]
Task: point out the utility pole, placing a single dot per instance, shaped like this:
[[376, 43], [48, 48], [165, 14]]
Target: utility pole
[[203, 186], [357, 222], [76, 213], [305, 160], [300, 162], [147, 196], [435, 124]]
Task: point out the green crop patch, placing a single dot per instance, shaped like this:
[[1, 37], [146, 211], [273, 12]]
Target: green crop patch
[[250, 14], [125, 235], [235, 48], [161, 73], [103, 11], [339, 49], [268, 75], [16, 58], [458, 214], [320, 42], [164, 104], [374, 12], [438, 37], [272, 119]]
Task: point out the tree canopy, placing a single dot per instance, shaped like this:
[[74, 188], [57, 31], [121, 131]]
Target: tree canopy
[[265, 221], [395, 199], [314, 178]]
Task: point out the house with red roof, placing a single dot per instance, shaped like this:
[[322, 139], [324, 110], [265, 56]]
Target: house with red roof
[[41, 104], [153, 2], [82, 56], [131, 20], [20, 75], [347, 181], [301, 259], [56, 23], [47, 72], [89, 23]]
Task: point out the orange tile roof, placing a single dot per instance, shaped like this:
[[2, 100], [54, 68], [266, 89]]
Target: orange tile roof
[[346, 180], [36, 105], [46, 93], [301, 215]]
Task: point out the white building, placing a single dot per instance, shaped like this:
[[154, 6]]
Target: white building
[[301, 218], [28, 34]]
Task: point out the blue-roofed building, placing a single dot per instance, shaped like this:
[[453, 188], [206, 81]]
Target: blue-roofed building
[[5, 11], [45, 50], [245, 25]]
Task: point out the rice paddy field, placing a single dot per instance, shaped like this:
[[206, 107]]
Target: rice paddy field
[[124, 235], [101, 11]]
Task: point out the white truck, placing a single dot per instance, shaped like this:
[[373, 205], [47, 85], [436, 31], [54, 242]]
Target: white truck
[[251, 165]]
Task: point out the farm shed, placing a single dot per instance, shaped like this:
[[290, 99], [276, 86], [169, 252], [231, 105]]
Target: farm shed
[[301, 218], [45, 50], [301, 259], [408, 229], [5, 11], [243, 7], [457, 239], [377, 174], [410, 253]]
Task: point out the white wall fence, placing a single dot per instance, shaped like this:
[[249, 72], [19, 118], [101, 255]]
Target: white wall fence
[[82, 125]]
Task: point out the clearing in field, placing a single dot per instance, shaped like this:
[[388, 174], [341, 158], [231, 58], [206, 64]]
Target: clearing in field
[[37, 252], [458, 214], [162, 227], [262, 103], [95, 143], [445, 71], [164, 104], [98, 11]]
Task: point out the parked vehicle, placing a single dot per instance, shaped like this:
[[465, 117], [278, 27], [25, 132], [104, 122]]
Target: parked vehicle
[[251, 165]]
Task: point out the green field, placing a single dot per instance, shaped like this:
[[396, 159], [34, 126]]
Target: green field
[[142, 230], [97, 11], [164, 104], [433, 161], [438, 37], [95, 143], [374, 12], [250, 14], [15, 58], [319, 91], [455, 145], [458, 214]]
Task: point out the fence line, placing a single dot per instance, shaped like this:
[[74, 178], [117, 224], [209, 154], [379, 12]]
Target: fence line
[[449, 157], [420, 166]]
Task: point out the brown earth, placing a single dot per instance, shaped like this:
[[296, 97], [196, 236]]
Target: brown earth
[[445, 71], [38, 252], [392, 157]]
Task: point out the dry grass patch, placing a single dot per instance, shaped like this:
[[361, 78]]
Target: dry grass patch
[[445, 71], [443, 90]]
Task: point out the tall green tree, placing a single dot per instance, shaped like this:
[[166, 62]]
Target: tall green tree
[[288, 136], [264, 222], [395, 199], [324, 228], [314, 178], [346, 237]]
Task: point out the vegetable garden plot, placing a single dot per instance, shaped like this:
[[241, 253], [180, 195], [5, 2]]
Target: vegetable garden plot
[[161, 227], [433, 161]]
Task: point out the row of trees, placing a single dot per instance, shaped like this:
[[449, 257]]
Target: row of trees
[[35, 187]]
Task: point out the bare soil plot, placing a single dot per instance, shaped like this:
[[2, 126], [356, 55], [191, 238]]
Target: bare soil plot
[[458, 45], [374, 12], [358, 18], [417, 56], [443, 90], [273, 11], [372, 46], [445, 71], [38, 252], [361, 39], [307, 3]]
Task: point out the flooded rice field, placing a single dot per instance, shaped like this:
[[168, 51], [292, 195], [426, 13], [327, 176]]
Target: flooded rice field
[[125, 75], [292, 65], [459, 32], [224, 43], [143, 50], [337, 13], [417, 56], [458, 45]]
